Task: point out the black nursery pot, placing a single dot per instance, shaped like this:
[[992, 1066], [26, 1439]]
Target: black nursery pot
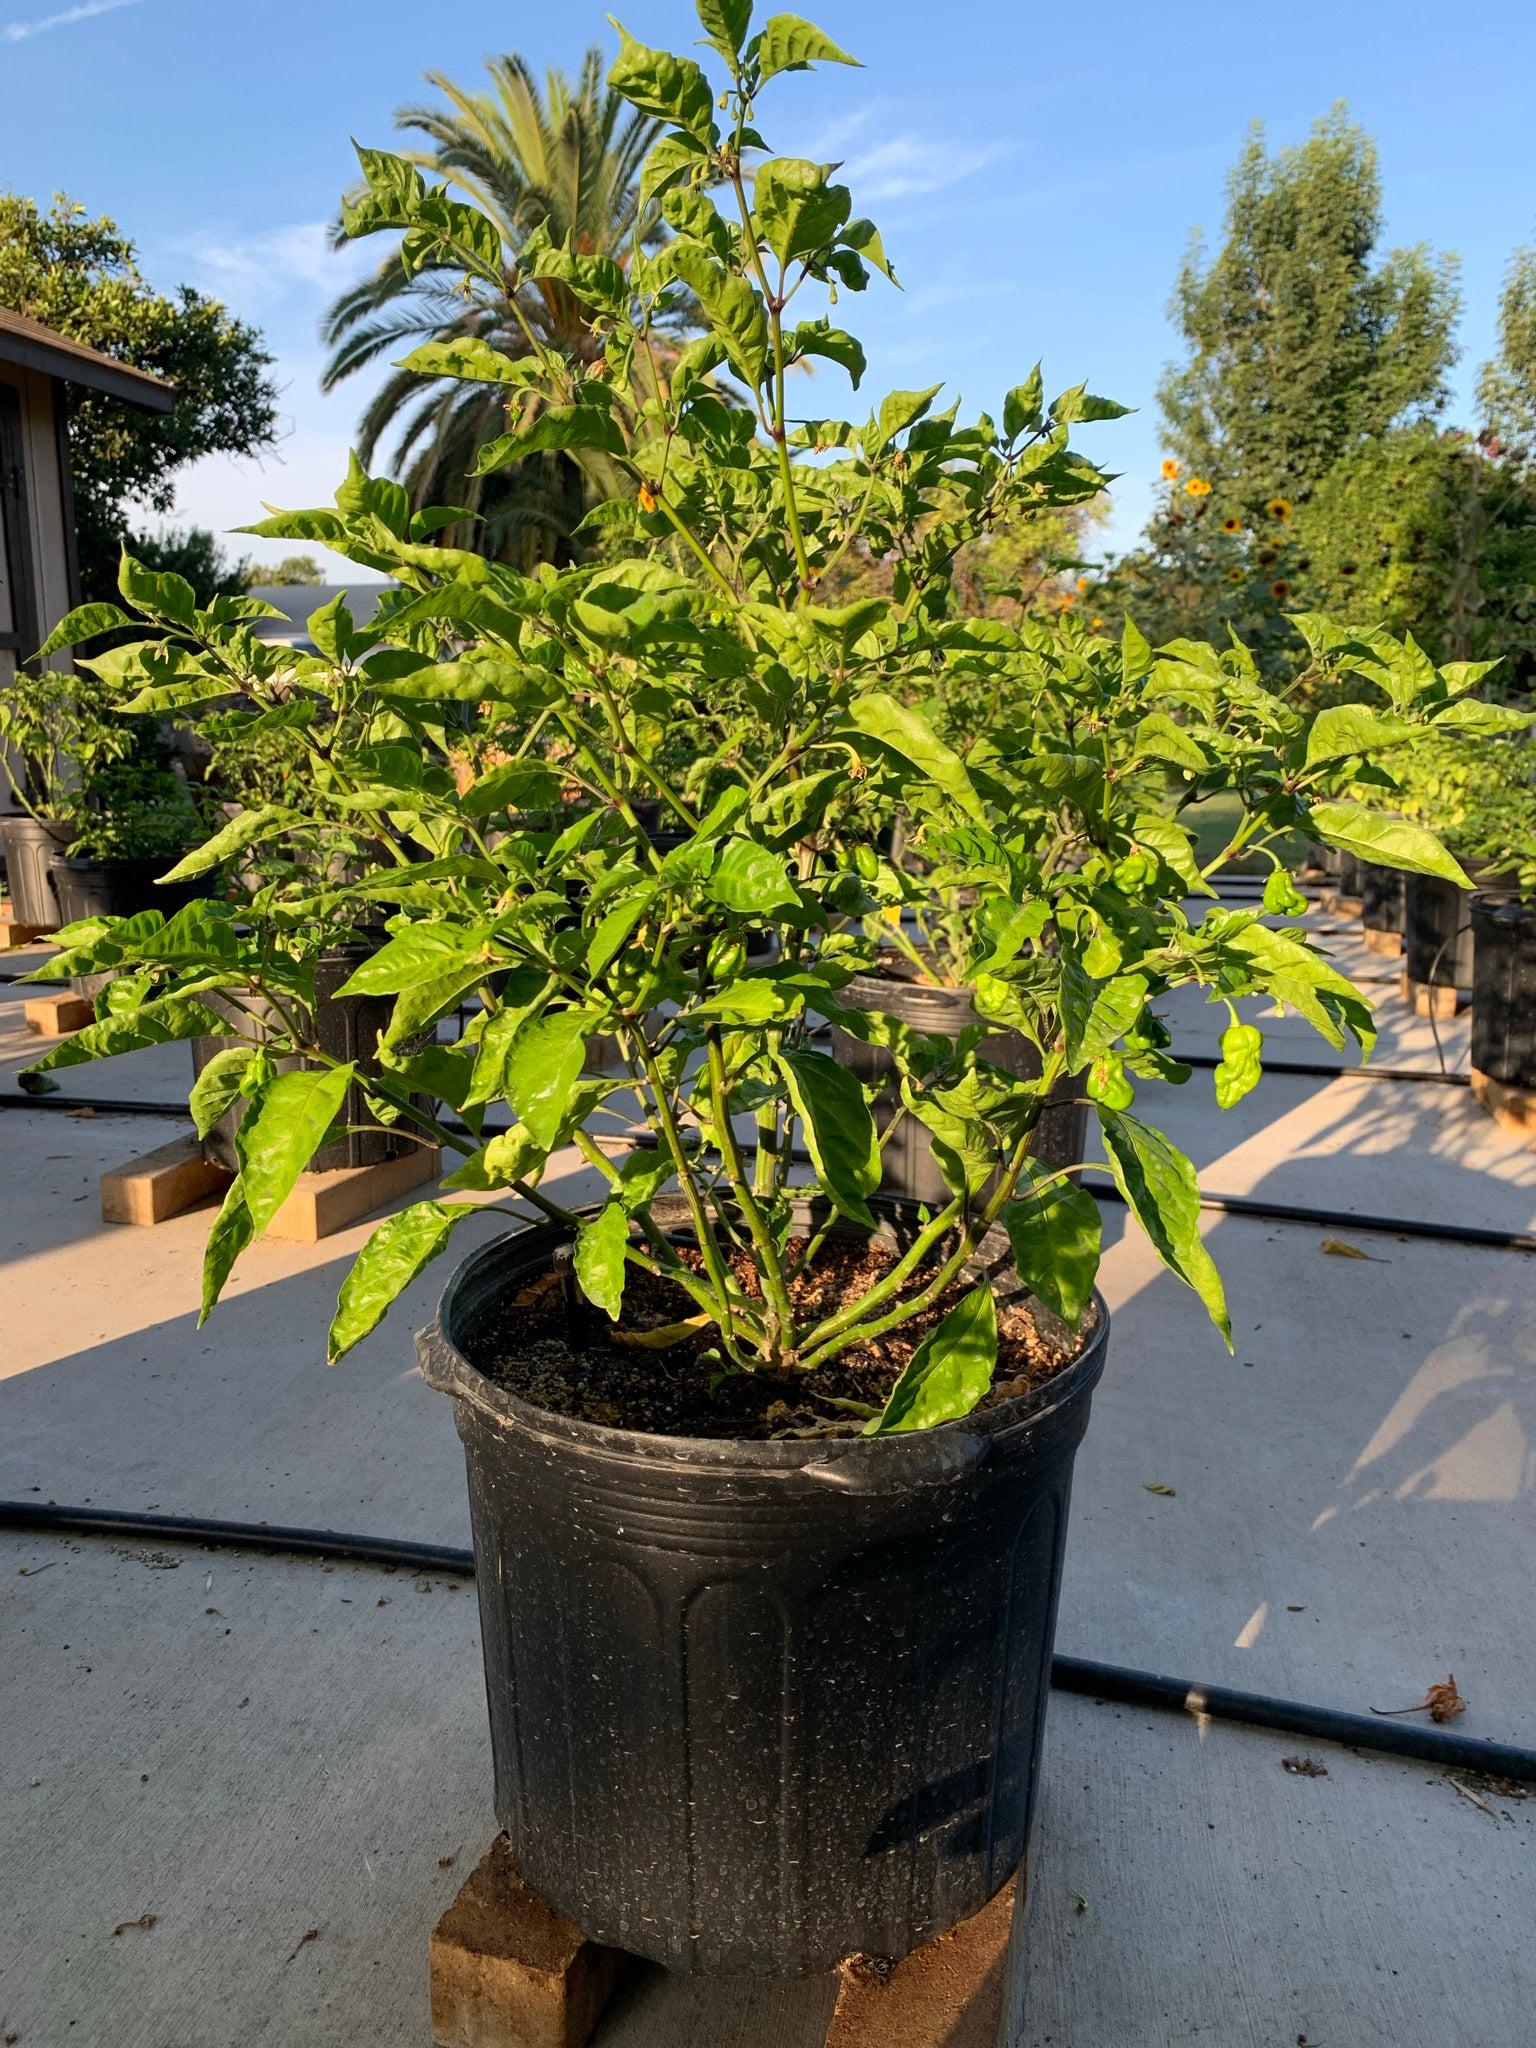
[[1346, 869], [347, 1029], [1504, 989], [31, 847], [117, 888], [1381, 897], [909, 1168], [756, 1706], [1437, 932]]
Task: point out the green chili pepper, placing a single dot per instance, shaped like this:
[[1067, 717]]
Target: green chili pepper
[[1108, 1083], [1282, 895], [1241, 1046]]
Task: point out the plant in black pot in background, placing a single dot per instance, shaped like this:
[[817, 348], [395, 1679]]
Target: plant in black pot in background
[[1476, 788], [768, 1473], [55, 734]]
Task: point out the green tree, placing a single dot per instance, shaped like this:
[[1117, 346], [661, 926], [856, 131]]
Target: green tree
[[1302, 343], [81, 277], [565, 158], [194, 553], [1433, 534], [289, 570], [1506, 389]]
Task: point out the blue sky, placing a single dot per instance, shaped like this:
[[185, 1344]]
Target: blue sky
[[1036, 171]]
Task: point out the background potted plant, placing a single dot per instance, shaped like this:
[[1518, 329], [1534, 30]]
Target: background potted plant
[[54, 731], [1475, 786], [768, 1474]]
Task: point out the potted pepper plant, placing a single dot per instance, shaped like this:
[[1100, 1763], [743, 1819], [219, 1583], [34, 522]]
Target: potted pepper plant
[[1475, 784], [54, 734], [768, 1472]]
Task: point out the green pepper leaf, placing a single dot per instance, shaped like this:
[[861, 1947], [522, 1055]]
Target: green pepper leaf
[[287, 1128], [1160, 1188], [839, 1130], [599, 1258], [1393, 841], [950, 1370], [1055, 1235], [543, 1067], [397, 1251]]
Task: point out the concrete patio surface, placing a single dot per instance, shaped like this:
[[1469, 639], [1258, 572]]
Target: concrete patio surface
[[1350, 1520]]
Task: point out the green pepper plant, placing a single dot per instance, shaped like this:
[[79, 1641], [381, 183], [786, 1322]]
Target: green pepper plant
[[594, 876], [1479, 789]]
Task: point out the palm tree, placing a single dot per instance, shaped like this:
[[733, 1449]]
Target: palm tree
[[568, 159]]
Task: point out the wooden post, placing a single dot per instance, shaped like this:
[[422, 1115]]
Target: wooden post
[[508, 1971]]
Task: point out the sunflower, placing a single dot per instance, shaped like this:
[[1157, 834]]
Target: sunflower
[[1197, 487], [1231, 524], [1235, 576], [1279, 508], [1171, 468], [1280, 589], [1265, 556]]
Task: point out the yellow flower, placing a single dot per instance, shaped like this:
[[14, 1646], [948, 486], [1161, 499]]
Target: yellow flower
[[1096, 624], [1280, 588], [1234, 575], [1197, 487], [1082, 585], [1170, 469], [647, 498], [1231, 524], [1279, 508]]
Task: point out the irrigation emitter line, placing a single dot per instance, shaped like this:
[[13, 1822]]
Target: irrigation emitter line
[[1081, 1675]]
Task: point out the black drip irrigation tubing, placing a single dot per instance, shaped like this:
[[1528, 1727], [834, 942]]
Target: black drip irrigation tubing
[[1335, 1071], [1335, 1219], [1082, 1675]]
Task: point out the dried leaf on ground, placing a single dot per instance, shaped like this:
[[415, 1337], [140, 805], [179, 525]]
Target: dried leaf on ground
[[145, 1920], [1156, 1486], [1442, 1703], [1338, 1249], [1303, 1767], [1467, 1793]]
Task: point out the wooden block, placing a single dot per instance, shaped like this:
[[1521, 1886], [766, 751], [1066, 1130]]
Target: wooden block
[[323, 1203], [56, 1016], [1342, 906], [508, 1971], [13, 936], [1430, 999], [161, 1184], [1388, 944], [1513, 1108], [948, 1994]]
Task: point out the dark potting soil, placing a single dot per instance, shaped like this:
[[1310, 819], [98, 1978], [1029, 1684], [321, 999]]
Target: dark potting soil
[[567, 1358]]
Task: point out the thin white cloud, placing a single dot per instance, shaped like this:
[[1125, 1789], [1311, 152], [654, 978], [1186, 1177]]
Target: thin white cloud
[[910, 166], [23, 31], [258, 269]]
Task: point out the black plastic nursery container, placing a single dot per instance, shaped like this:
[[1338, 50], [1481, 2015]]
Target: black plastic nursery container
[[1381, 897], [910, 1170], [1345, 869], [1504, 989], [347, 1029], [31, 847], [117, 888], [1437, 933], [756, 1706]]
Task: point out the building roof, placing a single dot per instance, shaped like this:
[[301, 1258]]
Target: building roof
[[299, 600], [33, 346]]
